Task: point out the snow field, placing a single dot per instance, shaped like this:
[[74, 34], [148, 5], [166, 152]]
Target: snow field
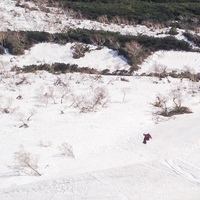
[[110, 162]]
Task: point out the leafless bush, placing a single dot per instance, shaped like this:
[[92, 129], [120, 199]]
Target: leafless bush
[[77, 100], [100, 98], [124, 91], [59, 82], [190, 73], [64, 92], [31, 114], [22, 80], [66, 150], [123, 79], [26, 163], [79, 50], [89, 103], [177, 97], [2, 34], [134, 47], [176, 107], [99, 41], [103, 19], [194, 87], [50, 94], [6, 106], [97, 78], [161, 103], [159, 70], [25, 119], [63, 89], [46, 94]]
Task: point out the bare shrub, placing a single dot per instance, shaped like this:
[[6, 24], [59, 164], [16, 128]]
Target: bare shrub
[[190, 74], [103, 19], [60, 82], [50, 94], [176, 107], [41, 95], [6, 106], [31, 114], [79, 50], [25, 119], [177, 96], [179, 110], [77, 100], [159, 70], [124, 91], [124, 79], [2, 35], [99, 41], [100, 98], [22, 81], [194, 87], [44, 95], [26, 163], [134, 47], [66, 150], [63, 89], [97, 78], [161, 103]]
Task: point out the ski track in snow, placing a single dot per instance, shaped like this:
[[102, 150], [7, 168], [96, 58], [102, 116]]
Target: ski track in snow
[[124, 183], [185, 170]]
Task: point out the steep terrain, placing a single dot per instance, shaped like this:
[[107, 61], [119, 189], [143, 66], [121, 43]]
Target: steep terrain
[[78, 135]]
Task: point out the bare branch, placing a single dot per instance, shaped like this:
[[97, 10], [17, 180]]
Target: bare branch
[[26, 162]]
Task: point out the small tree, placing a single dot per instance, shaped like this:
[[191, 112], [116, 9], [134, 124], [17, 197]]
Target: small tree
[[159, 70], [124, 91], [45, 94], [26, 162], [177, 97], [100, 98], [164, 110], [177, 100], [66, 150], [79, 50], [24, 120], [161, 102], [6, 107]]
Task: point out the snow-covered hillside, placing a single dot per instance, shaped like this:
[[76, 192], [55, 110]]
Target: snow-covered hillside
[[79, 136]]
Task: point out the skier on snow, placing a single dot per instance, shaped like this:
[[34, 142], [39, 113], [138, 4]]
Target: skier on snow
[[146, 137]]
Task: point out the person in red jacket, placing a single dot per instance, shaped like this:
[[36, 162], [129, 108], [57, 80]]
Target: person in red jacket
[[146, 137]]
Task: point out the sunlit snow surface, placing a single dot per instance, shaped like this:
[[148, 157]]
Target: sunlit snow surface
[[177, 61], [110, 161]]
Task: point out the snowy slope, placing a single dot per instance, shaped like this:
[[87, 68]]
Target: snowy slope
[[108, 141], [51, 53], [109, 160], [172, 61]]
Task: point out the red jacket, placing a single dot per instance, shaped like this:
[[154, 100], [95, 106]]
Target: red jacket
[[147, 136]]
